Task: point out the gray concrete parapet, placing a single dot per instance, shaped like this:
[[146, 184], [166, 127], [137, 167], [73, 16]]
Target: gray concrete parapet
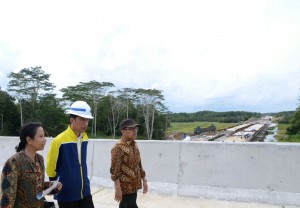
[[247, 172]]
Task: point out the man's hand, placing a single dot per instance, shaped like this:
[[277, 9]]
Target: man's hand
[[118, 194], [118, 191]]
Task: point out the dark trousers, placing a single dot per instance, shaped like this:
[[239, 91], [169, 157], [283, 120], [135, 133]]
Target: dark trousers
[[128, 201], [86, 202]]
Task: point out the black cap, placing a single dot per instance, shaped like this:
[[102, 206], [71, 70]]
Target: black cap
[[128, 123]]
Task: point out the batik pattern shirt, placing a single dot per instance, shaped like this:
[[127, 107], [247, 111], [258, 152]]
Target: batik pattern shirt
[[22, 178], [126, 166]]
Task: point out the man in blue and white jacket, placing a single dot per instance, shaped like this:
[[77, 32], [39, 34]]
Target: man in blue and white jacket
[[66, 159]]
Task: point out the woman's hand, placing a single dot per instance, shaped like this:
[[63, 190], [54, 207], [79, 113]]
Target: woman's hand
[[57, 188]]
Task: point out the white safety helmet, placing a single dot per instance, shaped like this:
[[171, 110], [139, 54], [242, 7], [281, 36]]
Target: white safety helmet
[[80, 108]]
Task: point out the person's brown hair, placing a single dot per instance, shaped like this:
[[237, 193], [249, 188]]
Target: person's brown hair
[[27, 130]]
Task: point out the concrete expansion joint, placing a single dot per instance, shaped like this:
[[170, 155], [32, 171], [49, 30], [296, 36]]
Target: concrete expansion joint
[[97, 191]]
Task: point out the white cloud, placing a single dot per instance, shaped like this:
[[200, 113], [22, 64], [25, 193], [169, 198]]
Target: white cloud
[[213, 55]]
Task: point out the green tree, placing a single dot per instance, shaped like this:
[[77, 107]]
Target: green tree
[[52, 115], [150, 101], [116, 104], [294, 128], [96, 90], [91, 92], [73, 93], [9, 122], [30, 84], [127, 95], [18, 84], [160, 125]]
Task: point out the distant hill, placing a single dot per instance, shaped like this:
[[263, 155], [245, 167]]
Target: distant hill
[[212, 116], [278, 114], [283, 117]]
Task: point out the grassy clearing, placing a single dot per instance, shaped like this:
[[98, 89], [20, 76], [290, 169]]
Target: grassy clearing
[[281, 131], [292, 138], [283, 137], [188, 127]]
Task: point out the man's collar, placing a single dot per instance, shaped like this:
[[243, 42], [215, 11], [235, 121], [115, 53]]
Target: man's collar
[[128, 142]]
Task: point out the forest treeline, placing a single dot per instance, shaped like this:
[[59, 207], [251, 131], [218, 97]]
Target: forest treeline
[[30, 96], [283, 117], [212, 116]]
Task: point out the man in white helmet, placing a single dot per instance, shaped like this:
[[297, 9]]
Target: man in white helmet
[[66, 159]]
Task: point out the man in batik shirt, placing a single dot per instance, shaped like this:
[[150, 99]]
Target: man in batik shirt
[[126, 166]]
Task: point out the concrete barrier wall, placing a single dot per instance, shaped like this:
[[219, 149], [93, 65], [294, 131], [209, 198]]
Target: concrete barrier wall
[[251, 172]]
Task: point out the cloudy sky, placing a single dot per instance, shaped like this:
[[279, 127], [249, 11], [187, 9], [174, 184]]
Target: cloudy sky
[[215, 55]]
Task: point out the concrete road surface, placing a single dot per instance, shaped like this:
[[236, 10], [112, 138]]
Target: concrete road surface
[[104, 198]]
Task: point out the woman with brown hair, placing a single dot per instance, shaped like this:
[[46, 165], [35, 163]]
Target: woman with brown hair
[[23, 174]]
